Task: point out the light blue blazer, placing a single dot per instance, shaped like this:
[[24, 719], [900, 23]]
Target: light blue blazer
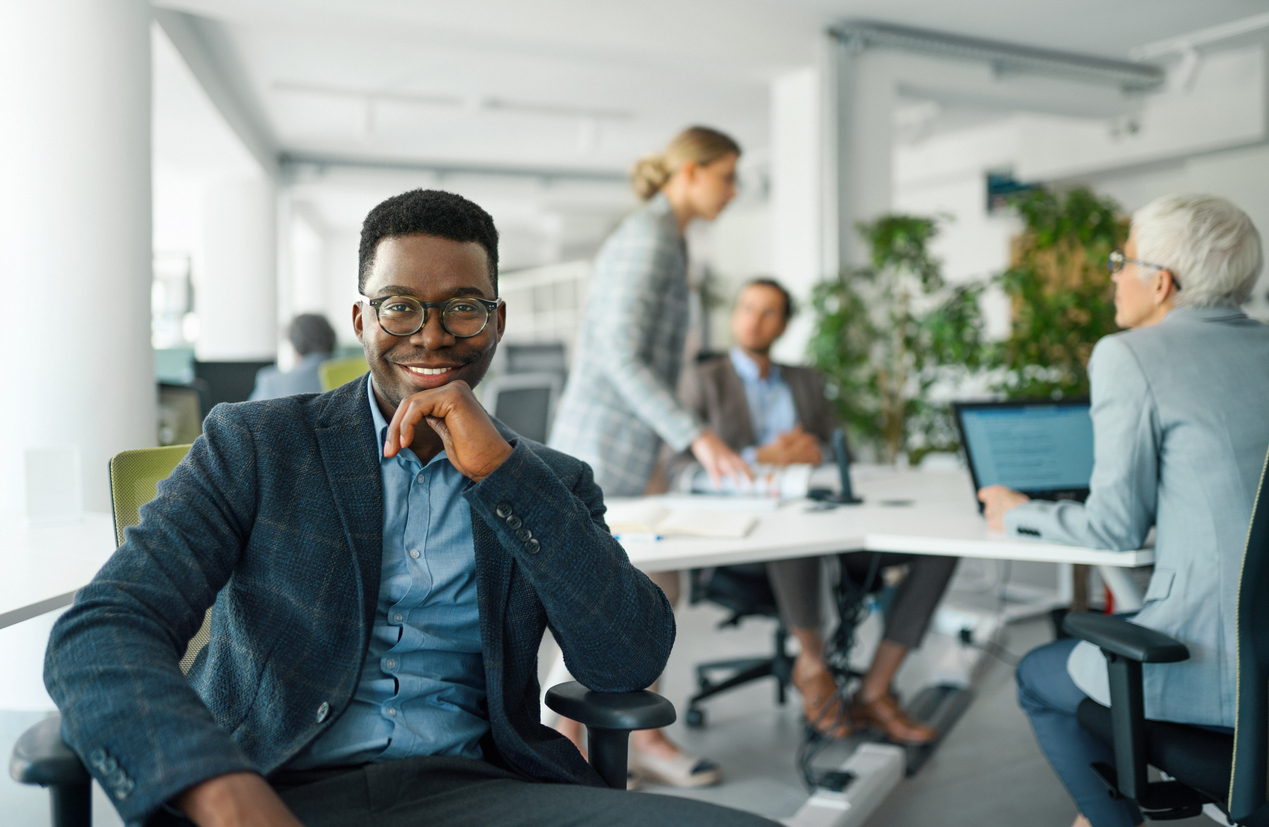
[[1181, 426]]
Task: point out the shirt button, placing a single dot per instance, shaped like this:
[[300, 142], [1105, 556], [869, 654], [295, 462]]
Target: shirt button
[[414, 552], [524, 535], [421, 477], [503, 510], [392, 712], [323, 711], [533, 547], [390, 663], [398, 617]]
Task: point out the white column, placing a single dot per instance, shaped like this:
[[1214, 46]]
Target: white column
[[75, 245], [236, 292], [864, 94], [797, 214]]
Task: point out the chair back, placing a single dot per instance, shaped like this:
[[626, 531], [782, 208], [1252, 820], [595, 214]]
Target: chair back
[[134, 480], [340, 371], [1249, 780]]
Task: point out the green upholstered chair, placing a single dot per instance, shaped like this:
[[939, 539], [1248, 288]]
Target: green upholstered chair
[[40, 756], [340, 371], [1208, 767]]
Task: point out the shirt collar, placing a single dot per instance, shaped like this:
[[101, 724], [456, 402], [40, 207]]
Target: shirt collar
[[381, 429], [747, 368]]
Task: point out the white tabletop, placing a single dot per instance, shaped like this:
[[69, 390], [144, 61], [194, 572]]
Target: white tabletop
[[925, 512], [42, 565]]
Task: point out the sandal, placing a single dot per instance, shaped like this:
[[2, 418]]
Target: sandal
[[885, 714], [683, 770]]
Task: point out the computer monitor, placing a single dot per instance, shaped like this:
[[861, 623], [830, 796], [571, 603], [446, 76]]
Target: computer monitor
[[1043, 448], [228, 381], [524, 402]]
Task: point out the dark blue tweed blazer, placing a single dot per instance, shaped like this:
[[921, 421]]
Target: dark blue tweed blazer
[[276, 515]]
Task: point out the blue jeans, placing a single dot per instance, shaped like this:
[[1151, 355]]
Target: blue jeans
[[1049, 697]]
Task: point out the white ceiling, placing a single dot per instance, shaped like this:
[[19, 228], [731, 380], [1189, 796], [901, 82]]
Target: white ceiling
[[584, 85]]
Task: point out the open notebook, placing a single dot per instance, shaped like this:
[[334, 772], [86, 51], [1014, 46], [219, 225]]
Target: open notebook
[[652, 517]]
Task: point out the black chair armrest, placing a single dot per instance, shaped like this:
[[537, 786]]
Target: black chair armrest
[[41, 757], [1117, 636], [609, 717]]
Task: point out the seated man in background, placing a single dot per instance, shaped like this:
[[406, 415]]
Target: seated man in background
[[1180, 430], [778, 414], [383, 560], [313, 339]]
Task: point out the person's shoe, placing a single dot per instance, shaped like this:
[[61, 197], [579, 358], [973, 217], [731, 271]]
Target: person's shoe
[[683, 770], [885, 715], [822, 705]]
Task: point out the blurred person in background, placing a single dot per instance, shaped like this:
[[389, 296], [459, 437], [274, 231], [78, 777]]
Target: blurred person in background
[[313, 339], [1180, 434], [777, 414], [620, 404]]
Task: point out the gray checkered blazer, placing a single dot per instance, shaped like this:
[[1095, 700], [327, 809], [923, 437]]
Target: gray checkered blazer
[[620, 402]]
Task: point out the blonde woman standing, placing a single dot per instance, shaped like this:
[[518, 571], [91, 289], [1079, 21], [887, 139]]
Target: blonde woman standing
[[620, 404]]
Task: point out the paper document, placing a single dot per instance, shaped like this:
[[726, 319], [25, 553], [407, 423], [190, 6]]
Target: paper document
[[651, 517]]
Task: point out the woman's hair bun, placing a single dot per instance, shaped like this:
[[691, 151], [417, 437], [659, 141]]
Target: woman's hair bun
[[648, 175]]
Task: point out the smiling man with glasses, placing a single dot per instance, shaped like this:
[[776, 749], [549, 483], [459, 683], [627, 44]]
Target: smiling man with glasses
[[383, 561]]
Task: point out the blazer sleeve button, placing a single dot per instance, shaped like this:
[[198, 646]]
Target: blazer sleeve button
[[323, 711], [533, 547], [514, 522], [504, 510], [524, 535]]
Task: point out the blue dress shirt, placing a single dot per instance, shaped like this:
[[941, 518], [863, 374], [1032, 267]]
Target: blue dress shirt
[[771, 409], [422, 688]]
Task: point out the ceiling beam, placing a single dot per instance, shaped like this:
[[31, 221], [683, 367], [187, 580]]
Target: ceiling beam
[[293, 163], [213, 66], [1004, 58]]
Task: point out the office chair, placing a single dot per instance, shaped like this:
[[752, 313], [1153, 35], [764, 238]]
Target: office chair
[[1229, 771], [341, 370], [745, 591], [41, 757], [524, 402]]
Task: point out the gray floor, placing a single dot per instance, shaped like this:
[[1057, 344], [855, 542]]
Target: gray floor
[[987, 772]]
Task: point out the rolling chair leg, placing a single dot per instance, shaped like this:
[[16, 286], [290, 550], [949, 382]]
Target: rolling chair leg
[[72, 804]]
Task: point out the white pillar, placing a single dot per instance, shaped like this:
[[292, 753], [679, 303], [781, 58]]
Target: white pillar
[[864, 94], [75, 244], [236, 292], [797, 214]]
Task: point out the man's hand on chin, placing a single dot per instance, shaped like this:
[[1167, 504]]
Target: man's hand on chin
[[239, 799], [472, 442]]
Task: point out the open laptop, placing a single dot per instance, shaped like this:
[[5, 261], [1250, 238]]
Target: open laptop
[[1042, 448]]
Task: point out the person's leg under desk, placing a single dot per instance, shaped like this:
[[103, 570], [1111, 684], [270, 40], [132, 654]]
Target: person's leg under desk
[[1049, 697], [457, 792]]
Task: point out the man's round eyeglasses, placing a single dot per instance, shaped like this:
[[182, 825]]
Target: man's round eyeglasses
[[1116, 261], [463, 317]]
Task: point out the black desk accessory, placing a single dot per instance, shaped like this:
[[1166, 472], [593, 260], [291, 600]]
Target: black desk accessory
[[847, 495]]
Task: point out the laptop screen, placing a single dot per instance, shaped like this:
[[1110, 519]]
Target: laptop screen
[[1036, 448]]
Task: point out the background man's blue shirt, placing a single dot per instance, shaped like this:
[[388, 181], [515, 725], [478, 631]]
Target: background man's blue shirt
[[422, 687], [771, 408]]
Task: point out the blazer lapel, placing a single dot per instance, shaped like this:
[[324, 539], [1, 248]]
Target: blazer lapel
[[350, 455]]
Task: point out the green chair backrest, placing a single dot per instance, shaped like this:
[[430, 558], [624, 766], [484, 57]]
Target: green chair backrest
[[335, 372], [134, 480], [1249, 785]]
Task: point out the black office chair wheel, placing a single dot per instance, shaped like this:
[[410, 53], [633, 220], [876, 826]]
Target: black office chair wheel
[[695, 718]]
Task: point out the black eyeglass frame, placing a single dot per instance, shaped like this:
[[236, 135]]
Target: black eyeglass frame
[[1116, 260], [491, 306]]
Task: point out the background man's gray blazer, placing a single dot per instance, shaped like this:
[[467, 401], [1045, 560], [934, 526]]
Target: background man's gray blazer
[[619, 403], [277, 516], [1181, 427], [715, 393]]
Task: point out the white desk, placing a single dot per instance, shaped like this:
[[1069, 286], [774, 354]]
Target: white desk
[[923, 512], [43, 565]]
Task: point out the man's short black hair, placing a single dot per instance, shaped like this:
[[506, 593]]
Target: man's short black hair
[[789, 308], [427, 212], [311, 333]]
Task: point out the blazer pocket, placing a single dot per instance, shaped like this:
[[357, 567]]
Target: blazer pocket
[[1160, 585]]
